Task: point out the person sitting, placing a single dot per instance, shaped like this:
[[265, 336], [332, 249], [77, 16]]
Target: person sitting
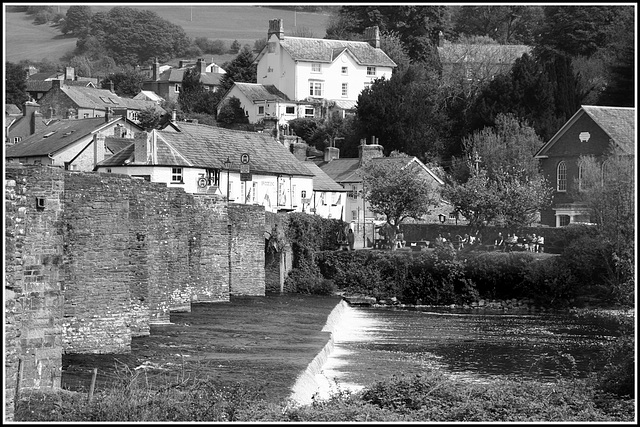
[[400, 242], [498, 244], [439, 240], [512, 241]]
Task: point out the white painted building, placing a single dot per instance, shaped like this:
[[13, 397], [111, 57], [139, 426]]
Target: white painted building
[[320, 72], [194, 158]]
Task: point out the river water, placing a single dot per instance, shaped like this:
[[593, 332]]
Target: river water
[[374, 343]]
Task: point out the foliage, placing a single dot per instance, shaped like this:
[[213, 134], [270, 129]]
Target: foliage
[[508, 187], [15, 89], [391, 44], [309, 234], [239, 69], [403, 112], [477, 199], [132, 36], [149, 118], [215, 47], [232, 112], [77, 20], [235, 47], [507, 24], [398, 188], [618, 376], [193, 97], [127, 83]]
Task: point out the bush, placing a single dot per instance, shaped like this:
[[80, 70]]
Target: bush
[[618, 376], [308, 280], [549, 282]]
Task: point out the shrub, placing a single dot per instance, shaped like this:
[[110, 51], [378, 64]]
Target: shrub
[[549, 282], [618, 376]]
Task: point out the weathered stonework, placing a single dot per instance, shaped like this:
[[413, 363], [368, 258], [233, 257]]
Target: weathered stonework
[[92, 259]]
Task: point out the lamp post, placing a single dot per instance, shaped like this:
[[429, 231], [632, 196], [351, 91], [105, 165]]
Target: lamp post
[[442, 218], [227, 165]]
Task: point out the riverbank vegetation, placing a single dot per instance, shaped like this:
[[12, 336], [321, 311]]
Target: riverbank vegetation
[[430, 395]]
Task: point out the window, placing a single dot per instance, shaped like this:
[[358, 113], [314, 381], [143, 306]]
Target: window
[[303, 194], [309, 112], [562, 176], [135, 115], [315, 67], [345, 89], [85, 115], [108, 170], [371, 71], [354, 215], [177, 88], [315, 88], [176, 175], [17, 139], [345, 71], [564, 220], [261, 110], [580, 173], [290, 110], [213, 175]]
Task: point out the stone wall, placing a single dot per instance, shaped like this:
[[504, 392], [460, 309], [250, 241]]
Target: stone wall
[[103, 256], [246, 248], [32, 290]]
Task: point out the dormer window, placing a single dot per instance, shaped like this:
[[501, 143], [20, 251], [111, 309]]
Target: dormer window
[[315, 67]]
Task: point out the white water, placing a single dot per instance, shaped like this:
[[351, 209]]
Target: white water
[[321, 379]]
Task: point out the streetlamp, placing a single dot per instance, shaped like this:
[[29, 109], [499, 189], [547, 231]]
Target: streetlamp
[[443, 218], [227, 165]]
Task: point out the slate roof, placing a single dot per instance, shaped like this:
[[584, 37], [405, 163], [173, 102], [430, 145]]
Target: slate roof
[[322, 181], [174, 75], [342, 170], [12, 109], [258, 92], [198, 145], [38, 85], [65, 133], [617, 122], [88, 97], [347, 170], [117, 144], [149, 95], [323, 50], [504, 54], [44, 75]]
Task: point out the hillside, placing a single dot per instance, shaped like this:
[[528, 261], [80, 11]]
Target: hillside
[[243, 23]]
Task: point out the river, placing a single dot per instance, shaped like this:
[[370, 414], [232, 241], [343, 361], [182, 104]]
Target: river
[[374, 343]]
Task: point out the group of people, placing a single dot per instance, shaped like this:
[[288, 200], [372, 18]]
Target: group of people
[[531, 243], [459, 242]]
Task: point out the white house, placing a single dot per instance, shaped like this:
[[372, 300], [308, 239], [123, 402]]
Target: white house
[[323, 73], [248, 167], [261, 101], [328, 198]]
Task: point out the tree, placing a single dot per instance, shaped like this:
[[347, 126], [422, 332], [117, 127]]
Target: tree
[[240, 69], [81, 65], [235, 47], [403, 112], [190, 90], [508, 188], [506, 24], [398, 188], [149, 118], [232, 112], [127, 83], [15, 89], [133, 36], [77, 20], [477, 199]]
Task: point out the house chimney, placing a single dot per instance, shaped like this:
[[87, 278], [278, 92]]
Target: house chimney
[[440, 39], [173, 115], [372, 36], [201, 66], [29, 110], [156, 70], [369, 151], [141, 152], [331, 153], [98, 148], [107, 112], [55, 84], [111, 86], [70, 73], [276, 27]]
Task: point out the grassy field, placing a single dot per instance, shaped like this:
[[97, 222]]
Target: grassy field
[[240, 22]]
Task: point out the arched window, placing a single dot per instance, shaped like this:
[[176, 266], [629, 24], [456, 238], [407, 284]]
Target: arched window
[[562, 176]]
